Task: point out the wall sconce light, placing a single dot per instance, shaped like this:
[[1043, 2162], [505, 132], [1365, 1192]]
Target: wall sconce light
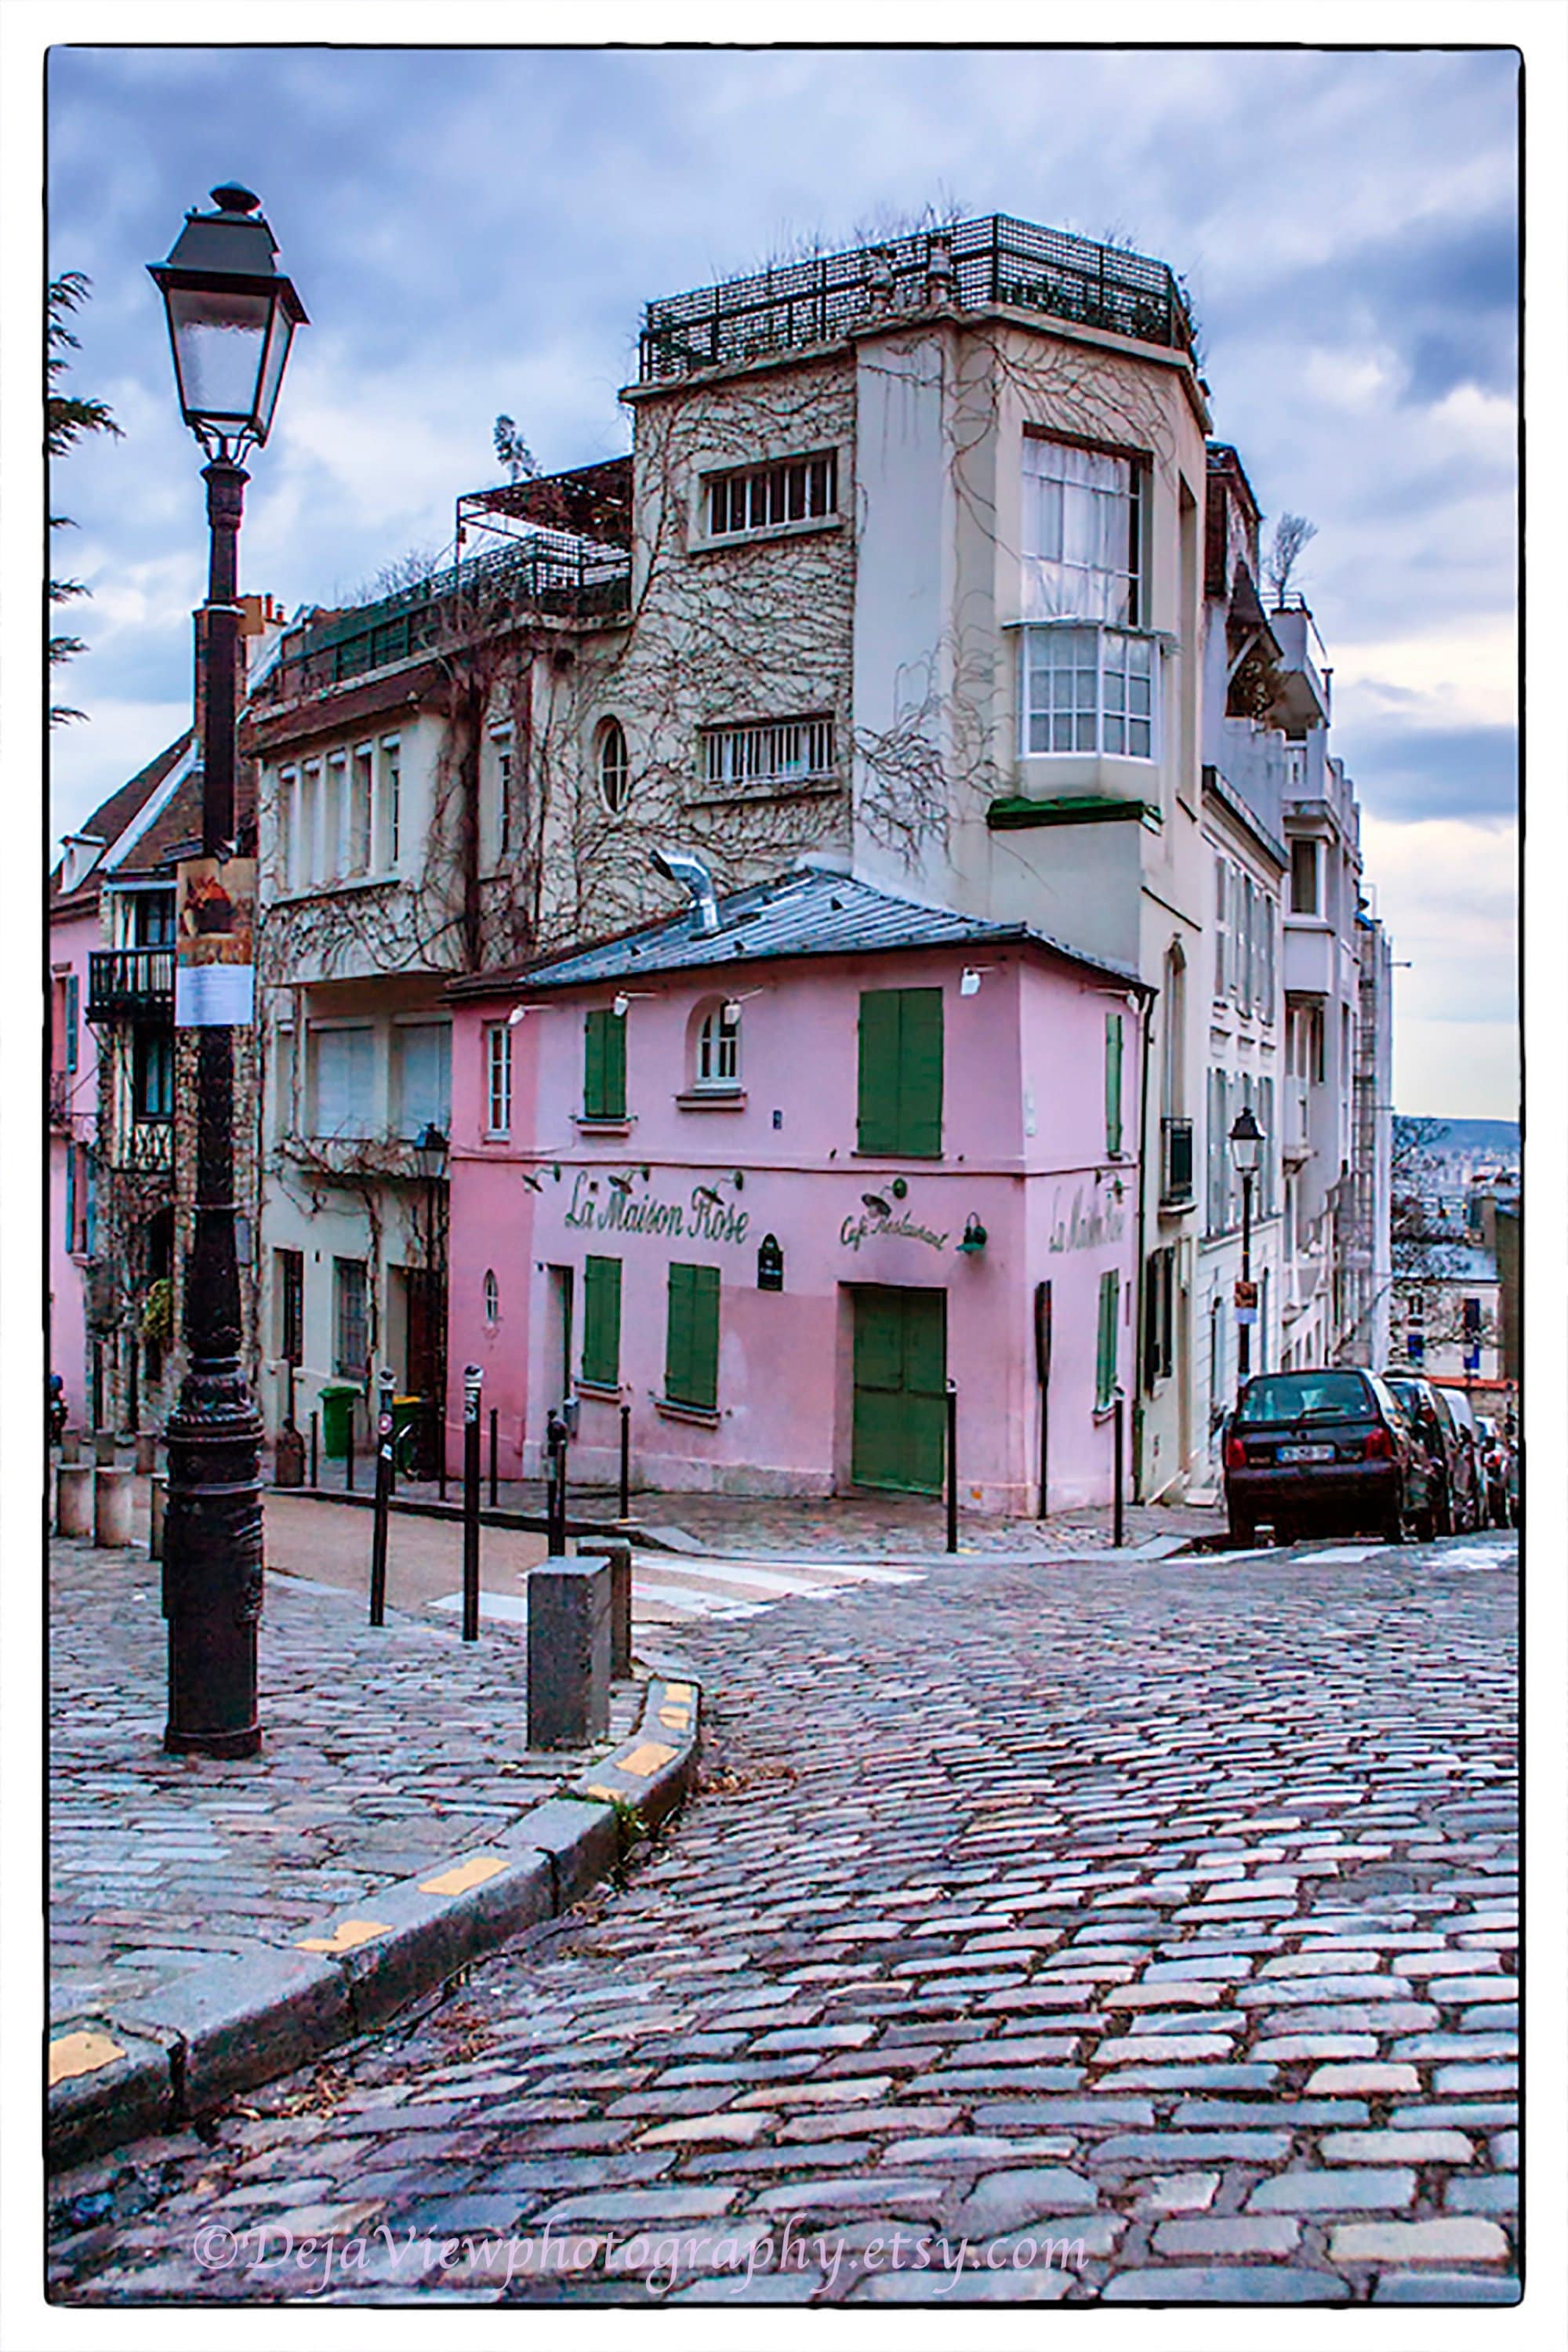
[[534, 1183], [974, 1236], [519, 1011], [875, 1202], [706, 1193], [968, 978], [622, 1183], [624, 997]]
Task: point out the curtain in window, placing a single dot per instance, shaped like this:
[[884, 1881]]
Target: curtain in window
[[344, 1067], [1078, 534]]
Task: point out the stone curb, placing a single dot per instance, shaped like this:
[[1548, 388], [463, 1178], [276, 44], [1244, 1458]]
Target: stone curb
[[155, 2063]]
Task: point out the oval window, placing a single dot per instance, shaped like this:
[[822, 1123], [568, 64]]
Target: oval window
[[614, 772], [492, 1298]]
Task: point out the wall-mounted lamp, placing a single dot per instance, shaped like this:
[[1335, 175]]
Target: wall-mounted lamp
[[974, 1236], [622, 1183], [876, 1203], [733, 1004], [518, 1012], [624, 997], [706, 1193], [534, 1183], [968, 978]]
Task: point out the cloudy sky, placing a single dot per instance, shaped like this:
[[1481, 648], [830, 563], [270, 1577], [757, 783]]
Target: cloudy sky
[[476, 231]]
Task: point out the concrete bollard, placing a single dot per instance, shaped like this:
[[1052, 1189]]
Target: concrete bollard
[[619, 1555], [70, 1445], [160, 1505], [73, 1498], [146, 1452], [105, 1449], [112, 1509], [568, 1653]]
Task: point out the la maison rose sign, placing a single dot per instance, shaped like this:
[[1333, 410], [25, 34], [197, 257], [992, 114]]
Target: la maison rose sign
[[702, 1218]]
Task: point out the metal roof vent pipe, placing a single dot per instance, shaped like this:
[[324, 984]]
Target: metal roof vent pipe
[[698, 881]]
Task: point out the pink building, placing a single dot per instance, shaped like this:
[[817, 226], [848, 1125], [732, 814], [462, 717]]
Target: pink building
[[772, 1173], [73, 1136]]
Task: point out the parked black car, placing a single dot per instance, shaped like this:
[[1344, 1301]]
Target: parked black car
[[1325, 1448], [1459, 1508]]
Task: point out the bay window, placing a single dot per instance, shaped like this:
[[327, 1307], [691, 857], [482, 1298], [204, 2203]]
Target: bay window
[[1082, 533], [1087, 689]]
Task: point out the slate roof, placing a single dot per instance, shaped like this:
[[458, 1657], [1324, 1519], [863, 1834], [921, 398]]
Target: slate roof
[[806, 913]]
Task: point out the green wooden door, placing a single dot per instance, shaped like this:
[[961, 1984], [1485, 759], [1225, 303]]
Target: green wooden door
[[900, 1389]]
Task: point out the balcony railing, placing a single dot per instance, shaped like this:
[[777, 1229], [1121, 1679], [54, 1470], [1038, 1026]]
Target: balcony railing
[[146, 1148], [972, 264], [1175, 1162], [551, 574], [123, 983], [59, 1097]]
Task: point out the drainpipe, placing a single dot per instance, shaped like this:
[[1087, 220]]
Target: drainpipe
[[1138, 1356]]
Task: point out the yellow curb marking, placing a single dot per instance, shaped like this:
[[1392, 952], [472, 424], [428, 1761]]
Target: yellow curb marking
[[464, 1874], [644, 1759], [80, 2053], [678, 1690], [344, 1937], [604, 1796], [675, 1718]]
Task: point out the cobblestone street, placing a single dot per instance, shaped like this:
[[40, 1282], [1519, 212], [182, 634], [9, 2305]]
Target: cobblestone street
[[1163, 1911]]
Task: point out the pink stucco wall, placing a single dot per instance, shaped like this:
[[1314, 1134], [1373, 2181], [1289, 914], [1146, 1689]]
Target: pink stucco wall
[[1025, 1052], [71, 941]]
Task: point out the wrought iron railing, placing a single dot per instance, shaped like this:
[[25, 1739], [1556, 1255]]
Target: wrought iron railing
[[1176, 1161], [59, 1097], [125, 981], [147, 1147], [551, 574], [974, 263]]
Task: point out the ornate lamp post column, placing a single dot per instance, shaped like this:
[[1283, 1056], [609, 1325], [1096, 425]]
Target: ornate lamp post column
[[1245, 1150], [231, 317]]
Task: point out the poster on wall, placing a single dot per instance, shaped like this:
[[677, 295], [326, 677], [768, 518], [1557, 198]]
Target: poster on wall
[[215, 970]]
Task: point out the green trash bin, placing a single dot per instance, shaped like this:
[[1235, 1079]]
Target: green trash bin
[[338, 1400]]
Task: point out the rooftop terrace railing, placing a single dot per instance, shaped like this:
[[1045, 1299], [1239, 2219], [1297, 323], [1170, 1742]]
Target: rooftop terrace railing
[[550, 574], [973, 264]]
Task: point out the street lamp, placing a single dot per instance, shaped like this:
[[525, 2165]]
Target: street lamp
[[231, 319], [430, 1159], [1245, 1152]]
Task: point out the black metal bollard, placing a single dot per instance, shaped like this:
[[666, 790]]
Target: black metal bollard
[[472, 1378], [952, 1465], [555, 1438], [1118, 1440], [383, 1427], [315, 1435], [626, 1510], [438, 1428], [349, 1454], [495, 1490]]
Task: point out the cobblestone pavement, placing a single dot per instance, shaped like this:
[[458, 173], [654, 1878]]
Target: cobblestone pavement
[[845, 1527], [1132, 1931], [384, 1749]]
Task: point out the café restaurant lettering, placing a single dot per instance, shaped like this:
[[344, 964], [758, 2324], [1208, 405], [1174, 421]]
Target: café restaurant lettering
[[873, 1226], [1086, 1228]]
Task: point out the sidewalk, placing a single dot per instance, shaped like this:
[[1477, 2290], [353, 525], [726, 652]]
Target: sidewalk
[[389, 1755], [833, 1527]]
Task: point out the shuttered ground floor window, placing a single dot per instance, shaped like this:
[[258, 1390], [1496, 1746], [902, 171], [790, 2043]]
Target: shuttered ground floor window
[[691, 1341], [1105, 1354], [602, 1322], [351, 1318]]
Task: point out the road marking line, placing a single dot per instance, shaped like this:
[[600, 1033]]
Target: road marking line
[[345, 1935], [80, 2053], [464, 1874]]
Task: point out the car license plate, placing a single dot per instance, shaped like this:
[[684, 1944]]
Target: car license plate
[[1306, 1454]]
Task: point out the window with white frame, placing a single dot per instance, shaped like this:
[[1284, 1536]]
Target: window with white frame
[[287, 828], [763, 498], [334, 816], [768, 755], [1221, 926], [1087, 689], [283, 1082], [389, 804], [718, 1068], [362, 800], [421, 1075], [500, 756], [1082, 534], [614, 766], [498, 1078], [1304, 897], [342, 1063], [309, 822]]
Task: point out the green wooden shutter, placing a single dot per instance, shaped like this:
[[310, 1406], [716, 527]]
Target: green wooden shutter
[[73, 999], [604, 1065], [602, 1321], [878, 1124], [1113, 1083], [1105, 1359], [615, 1065], [920, 1073], [691, 1341], [71, 1197]]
